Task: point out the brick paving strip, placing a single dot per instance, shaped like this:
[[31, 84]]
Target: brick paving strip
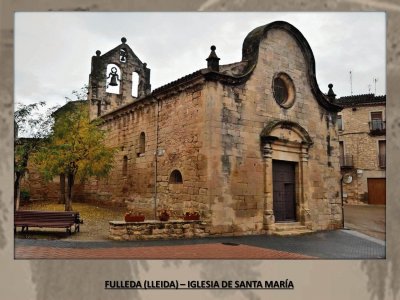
[[200, 251], [339, 244]]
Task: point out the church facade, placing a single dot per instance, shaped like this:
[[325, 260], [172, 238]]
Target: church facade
[[252, 146]]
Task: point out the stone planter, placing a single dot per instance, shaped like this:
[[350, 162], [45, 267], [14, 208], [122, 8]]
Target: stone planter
[[156, 230]]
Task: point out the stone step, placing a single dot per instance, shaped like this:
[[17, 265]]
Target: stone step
[[292, 232], [289, 226]]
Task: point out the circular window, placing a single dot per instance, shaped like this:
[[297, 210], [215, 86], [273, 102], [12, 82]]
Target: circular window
[[283, 88]]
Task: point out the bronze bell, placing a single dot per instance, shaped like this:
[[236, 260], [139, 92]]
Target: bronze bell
[[114, 77], [113, 81]]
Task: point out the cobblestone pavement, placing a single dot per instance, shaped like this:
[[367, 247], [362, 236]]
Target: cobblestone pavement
[[339, 244]]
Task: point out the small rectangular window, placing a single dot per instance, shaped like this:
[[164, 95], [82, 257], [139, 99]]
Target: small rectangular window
[[339, 122], [341, 149], [141, 145], [377, 121], [376, 115], [345, 159]]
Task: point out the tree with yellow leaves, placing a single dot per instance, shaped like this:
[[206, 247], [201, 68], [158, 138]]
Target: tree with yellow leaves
[[76, 148]]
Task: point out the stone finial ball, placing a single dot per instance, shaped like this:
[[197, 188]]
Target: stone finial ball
[[123, 40], [98, 52], [213, 48], [330, 85]]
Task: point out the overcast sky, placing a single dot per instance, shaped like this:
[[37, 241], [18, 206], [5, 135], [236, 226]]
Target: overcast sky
[[53, 50]]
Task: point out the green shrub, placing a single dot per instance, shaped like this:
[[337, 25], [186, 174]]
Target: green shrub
[[25, 195]]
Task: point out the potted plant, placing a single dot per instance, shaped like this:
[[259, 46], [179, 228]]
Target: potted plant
[[134, 217], [191, 216], [164, 215]]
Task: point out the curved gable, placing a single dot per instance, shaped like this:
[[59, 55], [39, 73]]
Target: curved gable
[[250, 53]]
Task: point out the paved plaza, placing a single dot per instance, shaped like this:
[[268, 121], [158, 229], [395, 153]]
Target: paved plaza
[[339, 244], [367, 219]]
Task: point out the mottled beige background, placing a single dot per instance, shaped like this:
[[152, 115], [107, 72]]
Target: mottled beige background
[[84, 279]]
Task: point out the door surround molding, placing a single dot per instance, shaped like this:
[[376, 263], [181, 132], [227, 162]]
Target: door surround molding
[[287, 141]]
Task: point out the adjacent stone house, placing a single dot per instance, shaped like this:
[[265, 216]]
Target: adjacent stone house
[[251, 145], [362, 144]]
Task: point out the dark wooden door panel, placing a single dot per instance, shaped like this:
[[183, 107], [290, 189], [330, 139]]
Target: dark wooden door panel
[[376, 190], [279, 206], [284, 200], [290, 203]]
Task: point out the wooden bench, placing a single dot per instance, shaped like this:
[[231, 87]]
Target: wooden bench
[[49, 219]]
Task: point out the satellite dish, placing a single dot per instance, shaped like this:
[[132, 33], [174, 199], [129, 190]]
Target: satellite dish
[[347, 178]]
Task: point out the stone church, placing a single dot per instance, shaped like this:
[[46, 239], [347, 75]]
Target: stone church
[[250, 145]]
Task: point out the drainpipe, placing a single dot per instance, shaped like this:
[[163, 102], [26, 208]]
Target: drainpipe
[[156, 160]]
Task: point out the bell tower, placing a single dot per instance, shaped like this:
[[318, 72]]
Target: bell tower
[[112, 80]]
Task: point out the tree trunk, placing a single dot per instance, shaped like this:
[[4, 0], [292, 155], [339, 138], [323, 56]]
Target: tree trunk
[[61, 200], [70, 184], [17, 190]]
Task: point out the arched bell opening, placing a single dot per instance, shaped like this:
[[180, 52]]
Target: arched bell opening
[[113, 79], [135, 84]]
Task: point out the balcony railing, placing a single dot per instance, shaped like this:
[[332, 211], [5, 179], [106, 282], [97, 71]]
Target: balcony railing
[[346, 161], [382, 160], [377, 127]]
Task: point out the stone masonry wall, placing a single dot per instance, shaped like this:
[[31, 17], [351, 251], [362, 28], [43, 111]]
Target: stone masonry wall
[[237, 115], [178, 119], [153, 230], [137, 184], [181, 147], [40, 189], [363, 147]]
